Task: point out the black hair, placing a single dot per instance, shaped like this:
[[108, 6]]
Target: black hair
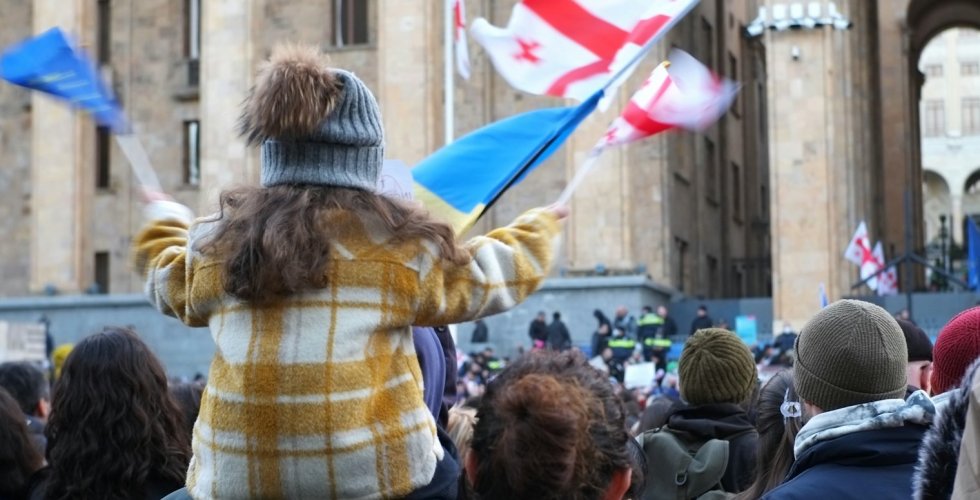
[[26, 383]]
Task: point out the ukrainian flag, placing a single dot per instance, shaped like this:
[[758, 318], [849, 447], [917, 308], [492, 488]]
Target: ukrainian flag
[[462, 180]]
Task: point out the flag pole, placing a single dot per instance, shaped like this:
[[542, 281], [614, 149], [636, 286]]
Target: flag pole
[[139, 161], [587, 166], [448, 78], [674, 20]]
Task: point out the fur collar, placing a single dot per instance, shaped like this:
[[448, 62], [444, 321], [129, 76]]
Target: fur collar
[[940, 450], [887, 413]]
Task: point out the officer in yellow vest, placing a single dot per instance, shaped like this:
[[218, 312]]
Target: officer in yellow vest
[[650, 333]]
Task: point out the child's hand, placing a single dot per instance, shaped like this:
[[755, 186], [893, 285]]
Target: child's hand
[[560, 211]]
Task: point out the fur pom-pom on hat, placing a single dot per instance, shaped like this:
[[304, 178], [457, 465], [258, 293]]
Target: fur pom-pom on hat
[[316, 125], [295, 90]]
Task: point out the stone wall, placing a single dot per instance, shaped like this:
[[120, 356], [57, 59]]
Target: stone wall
[[15, 164]]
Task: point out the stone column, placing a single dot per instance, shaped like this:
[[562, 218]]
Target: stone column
[[410, 32], [61, 186], [815, 205], [227, 56]]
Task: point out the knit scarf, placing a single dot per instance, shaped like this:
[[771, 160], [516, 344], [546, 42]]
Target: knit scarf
[[884, 414]]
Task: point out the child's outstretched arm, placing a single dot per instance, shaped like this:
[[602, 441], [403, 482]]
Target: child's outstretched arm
[[508, 265], [176, 283]]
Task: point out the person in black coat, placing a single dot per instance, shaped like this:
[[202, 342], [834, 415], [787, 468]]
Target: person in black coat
[[558, 336], [602, 332], [702, 320], [480, 333], [669, 329], [538, 331], [717, 373]]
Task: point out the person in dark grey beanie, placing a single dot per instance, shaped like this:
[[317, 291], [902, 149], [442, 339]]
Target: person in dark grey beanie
[[861, 437], [919, 368]]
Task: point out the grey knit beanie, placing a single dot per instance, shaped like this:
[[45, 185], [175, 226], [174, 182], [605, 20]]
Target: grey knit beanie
[[317, 125], [851, 352]]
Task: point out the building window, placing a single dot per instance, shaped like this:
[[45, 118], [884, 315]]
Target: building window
[[101, 272], [970, 68], [103, 21], [681, 249], [763, 201], [736, 192], [733, 73], [971, 115], [738, 281], [712, 275], [710, 171], [708, 41], [934, 70], [350, 25], [192, 40], [934, 121], [103, 157], [192, 153]]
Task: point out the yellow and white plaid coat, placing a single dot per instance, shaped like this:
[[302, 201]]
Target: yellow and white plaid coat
[[320, 395]]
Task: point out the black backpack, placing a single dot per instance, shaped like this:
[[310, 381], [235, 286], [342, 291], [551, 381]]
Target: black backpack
[[683, 467]]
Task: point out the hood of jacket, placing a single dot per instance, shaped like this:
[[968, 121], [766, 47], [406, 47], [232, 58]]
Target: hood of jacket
[[714, 421], [940, 450], [884, 414]]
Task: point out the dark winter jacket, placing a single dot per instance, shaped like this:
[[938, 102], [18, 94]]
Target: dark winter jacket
[[862, 452], [700, 323], [538, 331], [940, 449], [728, 422], [558, 337]]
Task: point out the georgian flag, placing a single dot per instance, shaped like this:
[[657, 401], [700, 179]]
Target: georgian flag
[[459, 39], [888, 280], [572, 48], [680, 93], [859, 249]]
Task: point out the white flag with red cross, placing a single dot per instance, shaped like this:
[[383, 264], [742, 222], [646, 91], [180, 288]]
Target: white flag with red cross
[[459, 39], [572, 48], [859, 249], [888, 280], [681, 93]]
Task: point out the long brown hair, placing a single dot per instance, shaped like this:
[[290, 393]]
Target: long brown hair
[[776, 435], [275, 241], [549, 427], [114, 427], [18, 456]]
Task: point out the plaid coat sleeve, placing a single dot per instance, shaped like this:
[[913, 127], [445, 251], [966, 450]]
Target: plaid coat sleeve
[[508, 265], [178, 282]]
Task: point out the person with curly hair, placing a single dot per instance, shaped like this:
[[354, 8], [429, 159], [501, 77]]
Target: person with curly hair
[[115, 431], [550, 427], [18, 456]]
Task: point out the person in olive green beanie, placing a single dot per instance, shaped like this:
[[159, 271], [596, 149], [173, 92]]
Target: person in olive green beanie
[[861, 437], [717, 375], [716, 367]]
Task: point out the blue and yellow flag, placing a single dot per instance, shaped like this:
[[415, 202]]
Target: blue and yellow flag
[[460, 181], [51, 64]]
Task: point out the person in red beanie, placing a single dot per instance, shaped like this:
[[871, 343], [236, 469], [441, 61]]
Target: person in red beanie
[[956, 348]]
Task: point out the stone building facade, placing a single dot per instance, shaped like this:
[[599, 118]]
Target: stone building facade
[[691, 211]]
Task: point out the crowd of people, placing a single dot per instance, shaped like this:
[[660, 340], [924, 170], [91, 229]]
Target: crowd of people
[[870, 408], [334, 376]]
